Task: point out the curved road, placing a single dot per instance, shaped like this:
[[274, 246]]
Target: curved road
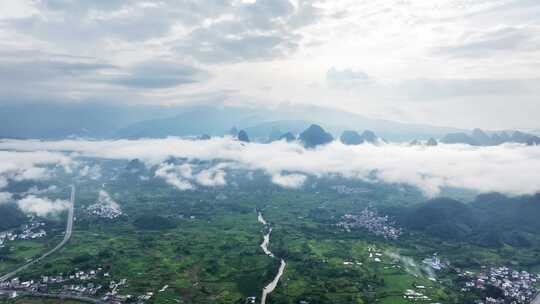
[[67, 236]]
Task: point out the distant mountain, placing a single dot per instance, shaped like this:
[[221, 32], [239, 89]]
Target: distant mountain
[[204, 137], [432, 142], [215, 121], [288, 137], [274, 135], [349, 137], [520, 137], [369, 137], [243, 136], [481, 138], [315, 136], [459, 138], [61, 120], [101, 120], [266, 131], [533, 141], [233, 131]]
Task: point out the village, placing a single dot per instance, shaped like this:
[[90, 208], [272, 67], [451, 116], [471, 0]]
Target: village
[[93, 284], [105, 211], [515, 286], [32, 230], [372, 222]]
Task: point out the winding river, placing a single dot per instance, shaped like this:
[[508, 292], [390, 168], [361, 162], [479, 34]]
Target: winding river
[[266, 241]]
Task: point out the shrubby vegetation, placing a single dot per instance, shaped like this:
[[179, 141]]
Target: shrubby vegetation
[[154, 222]]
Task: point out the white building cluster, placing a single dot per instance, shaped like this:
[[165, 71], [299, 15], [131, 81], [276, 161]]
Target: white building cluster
[[372, 222], [78, 284], [105, 211], [516, 286], [435, 262], [31, 231]]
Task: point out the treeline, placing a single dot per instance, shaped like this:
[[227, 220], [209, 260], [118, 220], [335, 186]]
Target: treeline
[[154, 222]]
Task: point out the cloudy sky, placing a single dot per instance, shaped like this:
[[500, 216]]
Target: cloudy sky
[[463, 63]]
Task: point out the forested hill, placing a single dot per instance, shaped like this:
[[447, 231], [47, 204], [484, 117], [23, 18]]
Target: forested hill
[[10, 216], [490, 220]]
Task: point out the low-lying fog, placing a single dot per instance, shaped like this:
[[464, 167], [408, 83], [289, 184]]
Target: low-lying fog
[[510, 168]]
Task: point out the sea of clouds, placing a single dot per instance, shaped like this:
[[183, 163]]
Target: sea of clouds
[[511, 168]]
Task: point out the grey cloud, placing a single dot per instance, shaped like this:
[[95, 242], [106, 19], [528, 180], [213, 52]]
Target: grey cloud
[[335, 74], [71, 5], [423, 89], [159, 74], [260, 31], [447, 88], [45, 70], [346, 78], [213, 47], [57, 79], [80, 23], [491, 42]]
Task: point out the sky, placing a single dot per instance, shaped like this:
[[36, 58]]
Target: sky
[[460, 63]]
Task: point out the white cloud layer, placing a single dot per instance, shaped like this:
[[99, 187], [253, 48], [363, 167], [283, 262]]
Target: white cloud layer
[[33, 165], [105, 199], [41, 206], [176, 175], [513, 169], [5, 197], [92, 172], [183, 177], [289, 180]]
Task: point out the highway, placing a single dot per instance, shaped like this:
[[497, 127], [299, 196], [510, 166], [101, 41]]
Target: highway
[[536, 300], [67, 236]]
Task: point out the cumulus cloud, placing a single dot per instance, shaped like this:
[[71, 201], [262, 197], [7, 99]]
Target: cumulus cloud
[[92, 172], [5, 197], [211, 177], [35, 190], [289, 180], [183, 176], [513, 169], [20, 166], [176, 175], [42, 206], [105, 199]]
